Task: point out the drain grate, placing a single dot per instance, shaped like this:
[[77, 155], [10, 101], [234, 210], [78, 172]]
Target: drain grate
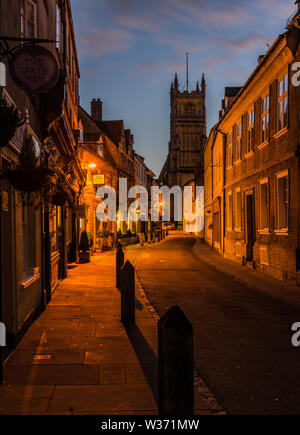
[[41, 356], [233, 308]]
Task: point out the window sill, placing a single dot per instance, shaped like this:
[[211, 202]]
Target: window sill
[[238, 230], [29, 280], [280, 133], [281, 232], [266, 232], [248, 155], [262, 145], [237, 162]]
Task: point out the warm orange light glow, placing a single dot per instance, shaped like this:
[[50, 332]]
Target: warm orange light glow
[[92, 165]]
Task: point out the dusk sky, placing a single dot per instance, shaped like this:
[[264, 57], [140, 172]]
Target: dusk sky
[[129, 51]]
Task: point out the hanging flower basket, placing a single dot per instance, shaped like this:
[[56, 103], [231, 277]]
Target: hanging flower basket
[[29, 179], [10, 120], [60, 197]]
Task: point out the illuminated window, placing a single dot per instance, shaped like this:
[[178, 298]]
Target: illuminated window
[[250, 136], [239, 141], [229, 211], [230, 149], [282, 201], [264, 205], [238, 210], [265, 119], [28, 19], [282, 103]]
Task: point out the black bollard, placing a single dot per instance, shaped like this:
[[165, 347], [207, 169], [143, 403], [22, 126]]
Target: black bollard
[[119, 264], [127, 293], [175, 364]]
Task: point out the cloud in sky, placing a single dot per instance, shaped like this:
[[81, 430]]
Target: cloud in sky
[[132, 48]]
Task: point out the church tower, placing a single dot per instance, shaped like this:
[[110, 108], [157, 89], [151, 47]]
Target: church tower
[[187, 134]]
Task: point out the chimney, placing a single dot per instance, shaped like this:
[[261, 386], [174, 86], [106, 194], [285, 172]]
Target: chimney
[[96, 109], [260, 58]]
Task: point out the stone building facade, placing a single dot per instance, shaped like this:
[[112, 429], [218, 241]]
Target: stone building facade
[[187, 134], [36, 242], [259, 188]]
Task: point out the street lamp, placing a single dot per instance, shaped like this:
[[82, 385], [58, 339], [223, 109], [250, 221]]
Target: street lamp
[[92, 165]]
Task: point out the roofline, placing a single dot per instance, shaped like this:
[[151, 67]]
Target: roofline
[[279, 38]]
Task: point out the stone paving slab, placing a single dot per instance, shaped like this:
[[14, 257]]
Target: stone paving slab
[[15, 399], [103, 398], [71, 374]]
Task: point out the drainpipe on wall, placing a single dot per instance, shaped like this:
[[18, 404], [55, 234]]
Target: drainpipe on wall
[[1, 294]]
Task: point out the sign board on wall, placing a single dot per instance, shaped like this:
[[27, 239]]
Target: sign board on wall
[[34, 69], [99, 179]]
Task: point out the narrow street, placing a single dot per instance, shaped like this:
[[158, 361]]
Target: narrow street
[[242, 337]]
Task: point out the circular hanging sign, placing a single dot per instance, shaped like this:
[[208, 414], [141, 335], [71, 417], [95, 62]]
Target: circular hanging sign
[[34, 69]]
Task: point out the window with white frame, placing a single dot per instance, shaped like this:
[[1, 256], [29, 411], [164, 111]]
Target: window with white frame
[[265, 118], [229, 211], [239, 141], [282, 201], [264, 214], [250, 135], [238, 210], [230, 149], [282, 103], [28, 19], [58, 28]]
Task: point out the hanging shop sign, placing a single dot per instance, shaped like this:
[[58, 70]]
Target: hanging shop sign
[[99, 179], [34, 69]]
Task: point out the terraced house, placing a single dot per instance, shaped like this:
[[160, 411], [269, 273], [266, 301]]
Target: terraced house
[[37, 240], [252, 163]]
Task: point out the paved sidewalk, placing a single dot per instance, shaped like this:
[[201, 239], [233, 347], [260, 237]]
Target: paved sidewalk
[[253, 278], [78, 358]]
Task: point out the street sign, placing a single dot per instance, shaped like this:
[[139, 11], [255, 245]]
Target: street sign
[[34, 69], [99, 179]]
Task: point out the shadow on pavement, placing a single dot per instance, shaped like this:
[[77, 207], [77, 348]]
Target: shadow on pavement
[[145, 355]]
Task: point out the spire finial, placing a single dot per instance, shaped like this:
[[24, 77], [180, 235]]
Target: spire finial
[[197, 87], [176, 82], [203, 83]]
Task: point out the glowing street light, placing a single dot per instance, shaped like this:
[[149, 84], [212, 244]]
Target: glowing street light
[[92, 165]]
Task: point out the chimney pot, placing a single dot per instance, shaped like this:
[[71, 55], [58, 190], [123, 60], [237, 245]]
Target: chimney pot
[[96, 109]]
